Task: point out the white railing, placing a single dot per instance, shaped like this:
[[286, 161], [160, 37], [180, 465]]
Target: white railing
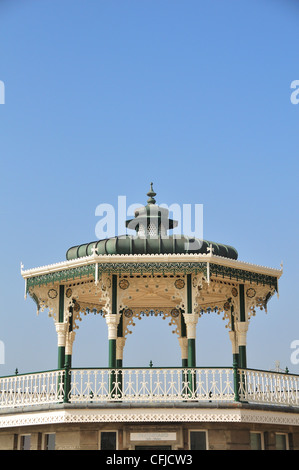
[[32, 389], [149, 385], [269, 387]]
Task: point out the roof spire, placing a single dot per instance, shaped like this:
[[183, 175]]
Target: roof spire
[[151, 195]]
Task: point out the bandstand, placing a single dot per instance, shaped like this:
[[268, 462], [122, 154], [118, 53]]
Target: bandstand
[[186, 407]]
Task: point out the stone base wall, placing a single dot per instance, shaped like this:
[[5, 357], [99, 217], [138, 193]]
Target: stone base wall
[[87, 436]]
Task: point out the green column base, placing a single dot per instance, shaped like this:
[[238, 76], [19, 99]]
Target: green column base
[[242, 357], [236, 376], [191, 365], [112, 353], [119, 376], [242, 365], [112, 364], [185, 362], [68, 360], [119, 363], [191, 353], [61, 357], [67, 380], [185, 376]]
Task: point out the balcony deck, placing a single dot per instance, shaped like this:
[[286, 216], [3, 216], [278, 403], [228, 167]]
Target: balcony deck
[[173, 386]]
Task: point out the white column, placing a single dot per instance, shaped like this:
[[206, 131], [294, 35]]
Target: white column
[[120, 344], [184, 348], [234, 341]]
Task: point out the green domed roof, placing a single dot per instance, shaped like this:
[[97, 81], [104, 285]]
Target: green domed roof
[[131, 245], [151, 223]]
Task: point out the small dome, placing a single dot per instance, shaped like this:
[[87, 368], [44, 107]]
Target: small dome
[[151, 223], [151, 220]]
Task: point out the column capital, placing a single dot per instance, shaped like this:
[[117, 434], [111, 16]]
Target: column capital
[[242, 328], [61, 332], [112, 320], [70, 337], [191, 322]]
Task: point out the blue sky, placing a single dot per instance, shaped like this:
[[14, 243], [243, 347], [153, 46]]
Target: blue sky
[[103, 97]]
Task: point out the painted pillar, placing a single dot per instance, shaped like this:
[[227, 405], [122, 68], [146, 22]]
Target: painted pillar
[[112, 323], [61, 329], [184, 342], [69, 340], [70, 336], [112, 320], [242, 329], [120, 344], [185, 375], [112, 340], [235, 351], [191, 331], [190, 319]]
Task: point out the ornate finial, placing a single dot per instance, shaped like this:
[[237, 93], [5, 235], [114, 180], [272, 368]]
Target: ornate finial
[[210, 249], [151, 195], [94, 250]]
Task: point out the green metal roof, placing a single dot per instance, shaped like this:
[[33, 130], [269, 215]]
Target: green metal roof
[[134, 245]]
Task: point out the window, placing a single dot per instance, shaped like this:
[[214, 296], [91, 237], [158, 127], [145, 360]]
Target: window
[[282, 442], [198, 440], [108, 440], [49, 442], [25, 442], [256, 441]]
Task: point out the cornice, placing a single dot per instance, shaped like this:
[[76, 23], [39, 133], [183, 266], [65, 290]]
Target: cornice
[[164, 258], [143, 414]]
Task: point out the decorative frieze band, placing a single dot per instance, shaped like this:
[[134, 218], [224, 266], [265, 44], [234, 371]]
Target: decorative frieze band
[[142, 415], [217, 270]]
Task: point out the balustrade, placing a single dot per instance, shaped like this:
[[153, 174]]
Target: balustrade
[[32, 389], [148, 385], [269, 387]]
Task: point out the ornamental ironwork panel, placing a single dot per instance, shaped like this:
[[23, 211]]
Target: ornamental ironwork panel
[[242, 275], [116, 268], [153, 268]]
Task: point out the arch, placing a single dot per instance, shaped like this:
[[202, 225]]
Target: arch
[[91, 342], [152, 339], [212, 341]]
